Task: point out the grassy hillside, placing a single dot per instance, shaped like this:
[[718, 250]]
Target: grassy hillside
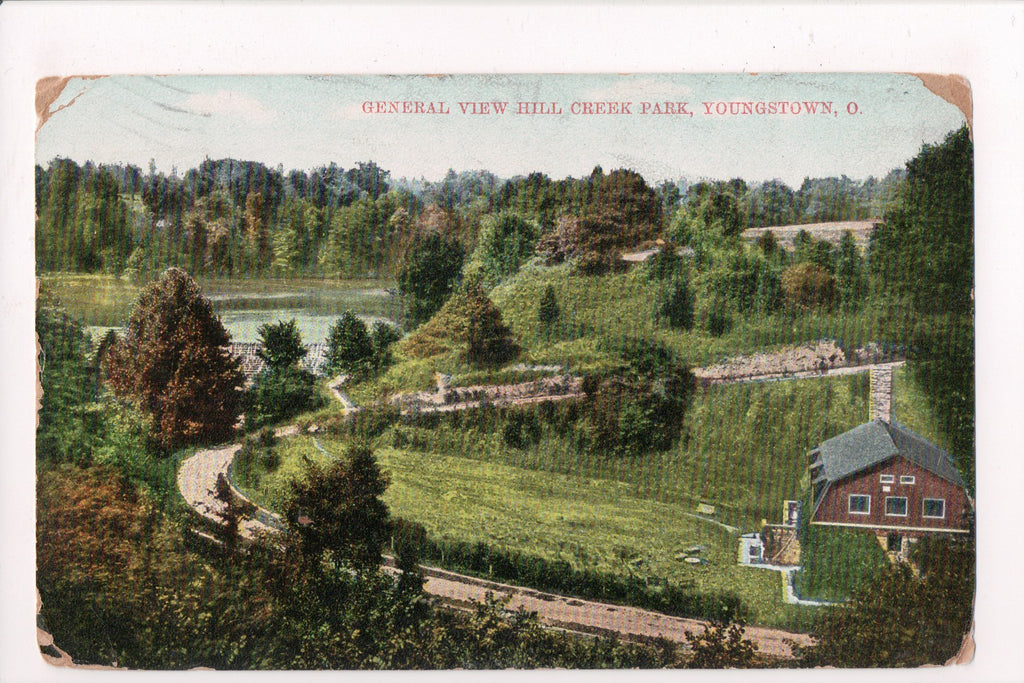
[[625, 304], [742, 447], [590, 523]]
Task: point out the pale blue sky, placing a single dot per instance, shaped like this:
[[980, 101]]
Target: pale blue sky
[[302, 122]]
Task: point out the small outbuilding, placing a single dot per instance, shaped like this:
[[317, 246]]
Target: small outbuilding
[[751, 549], [883, 477]]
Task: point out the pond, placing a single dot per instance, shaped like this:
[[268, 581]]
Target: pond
[[314, 306], [243, 324], [245, 305]]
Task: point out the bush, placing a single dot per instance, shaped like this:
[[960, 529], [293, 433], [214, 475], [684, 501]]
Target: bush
[[665, 264], [280, 394], [676, 308], [350, 348], [521, 430], [807, 285], [547, 310]]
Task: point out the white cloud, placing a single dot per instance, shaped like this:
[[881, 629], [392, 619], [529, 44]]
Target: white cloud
[[229, 103]]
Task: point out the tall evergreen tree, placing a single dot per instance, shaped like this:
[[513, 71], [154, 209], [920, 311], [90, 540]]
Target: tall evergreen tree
[[547, 310], [174, 364]]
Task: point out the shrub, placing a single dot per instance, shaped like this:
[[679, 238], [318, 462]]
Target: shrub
[[547, 310], [280, 394], [676, 308], [349, 347], [521, 430], [807, 285]]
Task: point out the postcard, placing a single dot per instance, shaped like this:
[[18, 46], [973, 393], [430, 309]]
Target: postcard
[[505, 371]]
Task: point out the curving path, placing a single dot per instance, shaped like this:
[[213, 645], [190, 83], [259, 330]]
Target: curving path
[[197, 481]]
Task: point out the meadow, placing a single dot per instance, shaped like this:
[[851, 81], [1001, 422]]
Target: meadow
[[742, 448], [593, 524], [738, 451]]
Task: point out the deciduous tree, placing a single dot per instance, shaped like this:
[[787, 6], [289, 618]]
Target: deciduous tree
[[350, 348], [430, 273], [807, 285], [338, 513]]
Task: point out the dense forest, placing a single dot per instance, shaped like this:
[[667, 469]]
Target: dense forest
[[231, 218]]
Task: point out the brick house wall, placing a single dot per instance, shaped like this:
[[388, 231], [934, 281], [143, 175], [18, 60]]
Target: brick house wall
[[835, 507]]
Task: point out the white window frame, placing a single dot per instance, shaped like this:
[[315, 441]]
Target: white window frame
[[906, 506], [887, 479], [926, 501], [849, 504], [908, 479]]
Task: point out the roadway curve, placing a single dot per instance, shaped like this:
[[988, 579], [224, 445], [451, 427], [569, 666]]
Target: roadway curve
[[197, 481]]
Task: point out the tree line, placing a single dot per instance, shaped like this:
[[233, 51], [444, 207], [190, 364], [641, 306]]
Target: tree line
[[231, 217]]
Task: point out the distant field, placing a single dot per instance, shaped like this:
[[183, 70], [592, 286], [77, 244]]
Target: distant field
[[591, 523], [833, 232]]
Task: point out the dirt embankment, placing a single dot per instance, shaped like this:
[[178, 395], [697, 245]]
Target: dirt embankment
[[822, 357]]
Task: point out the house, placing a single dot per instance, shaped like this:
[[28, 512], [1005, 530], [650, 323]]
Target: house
[[883, 477]]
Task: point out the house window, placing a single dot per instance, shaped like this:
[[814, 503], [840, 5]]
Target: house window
[[896, 506], [907, 479], [887, 478], [860, 505], [934, 508]]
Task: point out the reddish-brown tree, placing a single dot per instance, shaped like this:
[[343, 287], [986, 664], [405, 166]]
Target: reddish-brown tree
[[807, 285], [174, 364]]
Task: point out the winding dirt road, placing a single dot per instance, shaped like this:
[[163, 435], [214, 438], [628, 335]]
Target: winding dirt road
[[197, 481]]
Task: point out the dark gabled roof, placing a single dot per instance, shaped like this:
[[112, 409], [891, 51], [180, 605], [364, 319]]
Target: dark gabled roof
[[875, 442]]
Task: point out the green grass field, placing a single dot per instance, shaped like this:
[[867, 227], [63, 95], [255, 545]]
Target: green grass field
[[624, 305], [742, 448], [591, 523]]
